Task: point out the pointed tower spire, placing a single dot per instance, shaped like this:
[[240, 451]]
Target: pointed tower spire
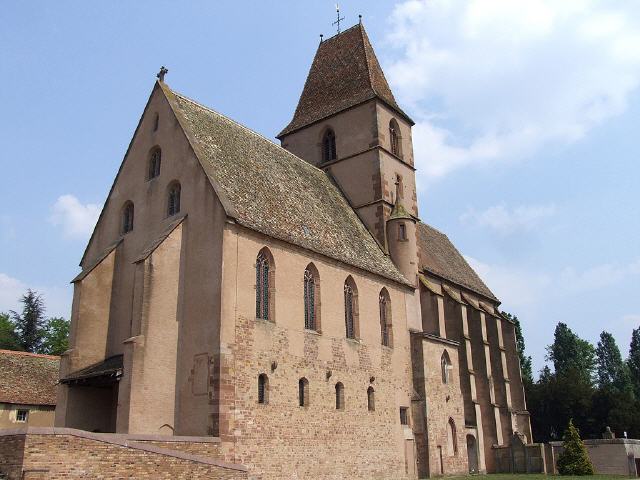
[[345, 73]]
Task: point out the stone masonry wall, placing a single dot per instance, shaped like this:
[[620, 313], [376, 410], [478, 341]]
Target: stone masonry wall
[[33, 456]]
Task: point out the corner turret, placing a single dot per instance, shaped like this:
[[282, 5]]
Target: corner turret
[[401, 238]]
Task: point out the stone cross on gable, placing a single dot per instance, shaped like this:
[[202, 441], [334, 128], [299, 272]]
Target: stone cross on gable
[[163, 71]]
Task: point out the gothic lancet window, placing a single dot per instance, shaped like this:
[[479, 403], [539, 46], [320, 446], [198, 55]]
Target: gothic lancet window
[[329, 146], [351, 308], [445, 366], [394, 138], [311, 298], [127, 217], [173, 199], [263, 285], [452, 440], [154, 163], [385, 317]]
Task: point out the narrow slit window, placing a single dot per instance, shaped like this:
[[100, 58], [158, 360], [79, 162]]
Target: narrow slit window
[[263, 389], [349, 310], [173, 200], [339, 396], [309, 300], [303, 392], [155, 159], [384, 304], [371, 399], [127, 217], [329, 146]]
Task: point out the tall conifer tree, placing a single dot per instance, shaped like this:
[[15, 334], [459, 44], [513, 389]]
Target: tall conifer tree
[[30, 323]]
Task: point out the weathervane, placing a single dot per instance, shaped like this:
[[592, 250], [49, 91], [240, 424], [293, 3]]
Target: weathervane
[[337, 22]]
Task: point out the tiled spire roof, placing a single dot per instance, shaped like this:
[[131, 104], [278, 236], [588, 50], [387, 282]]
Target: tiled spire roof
[[345, 73]]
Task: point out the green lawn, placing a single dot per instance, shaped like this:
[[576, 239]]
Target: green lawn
[[536, 476]]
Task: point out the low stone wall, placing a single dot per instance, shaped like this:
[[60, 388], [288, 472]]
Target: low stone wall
[[518, 458], [613, 456], [62, 453]]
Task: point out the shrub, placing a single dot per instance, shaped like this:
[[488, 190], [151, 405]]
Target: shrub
[[574, 459]]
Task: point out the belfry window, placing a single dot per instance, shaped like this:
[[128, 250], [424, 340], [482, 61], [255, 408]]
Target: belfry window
[[385, 317], [127, 217], [154, 163], [394, 137], [173, 199], [351, 308], [311, 302], [263, 389], [329, 146]]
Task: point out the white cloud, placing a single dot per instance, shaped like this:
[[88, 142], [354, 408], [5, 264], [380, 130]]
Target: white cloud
[[57, 299], [77, 220], [521, 286], [505, 220], [495, 80], [632, 320]]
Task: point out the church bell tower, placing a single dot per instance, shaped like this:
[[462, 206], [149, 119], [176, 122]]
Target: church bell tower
[[348, 123]]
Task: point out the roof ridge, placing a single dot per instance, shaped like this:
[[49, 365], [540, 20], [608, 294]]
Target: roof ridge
[[366, 57], [244, 127], [29, 354]]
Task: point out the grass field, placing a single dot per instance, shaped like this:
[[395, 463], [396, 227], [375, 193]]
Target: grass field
[[507, 476]]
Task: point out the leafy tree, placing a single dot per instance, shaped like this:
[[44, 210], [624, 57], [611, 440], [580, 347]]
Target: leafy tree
[[8, 337], [525, 360], [574, 459], [633, 361], [30, 324], [570, 352], [56, 336], [611, 370]]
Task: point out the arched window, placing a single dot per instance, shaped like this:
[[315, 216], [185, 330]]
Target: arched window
[[173, 199], [303, 392], [127, 217], [371, 399], [445, 366], [351, 308], [263, 388], [329, 146], [339, 396], [394, 137], [155, 158], [156, 122], [264, 285], [386, 331], [311, 298], [452, 440]]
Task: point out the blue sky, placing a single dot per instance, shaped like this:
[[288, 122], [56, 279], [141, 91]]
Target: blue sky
[[526, 138]]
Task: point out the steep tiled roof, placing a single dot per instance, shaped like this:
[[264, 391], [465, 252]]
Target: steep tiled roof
[[27, 378], [345, 72], [438, 256], [269, 190]]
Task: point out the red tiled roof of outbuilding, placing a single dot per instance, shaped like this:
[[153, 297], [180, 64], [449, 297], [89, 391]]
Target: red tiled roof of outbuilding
[[28, 378]]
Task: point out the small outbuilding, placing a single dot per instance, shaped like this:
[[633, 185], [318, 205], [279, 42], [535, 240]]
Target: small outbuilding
[[27, 389]]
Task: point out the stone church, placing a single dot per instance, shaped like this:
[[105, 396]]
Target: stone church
[[289, 299]]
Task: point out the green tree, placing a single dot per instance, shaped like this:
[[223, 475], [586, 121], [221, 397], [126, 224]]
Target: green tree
[[611, 370], [574, 459], [633, 361], [8, 337], [525, 360], [570, 352], [613, 401], [56, 336], [30, 324]]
